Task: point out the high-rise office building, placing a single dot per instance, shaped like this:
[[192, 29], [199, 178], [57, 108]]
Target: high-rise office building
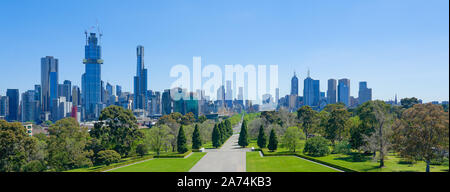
[[229, 91], [91, 80], [13, 104], [109, 89], [140, 81], [76, 96], [364, 93], [331, 92], [29, 106], [118, 90], [166, 101], [294, 85], [240, 95], [4, 107], [49, 82], [311, 91], [344, 91], [65, 90]]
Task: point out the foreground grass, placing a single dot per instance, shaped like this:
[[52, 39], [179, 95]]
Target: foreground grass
[[393, 163], [256, 163], [164, 165]]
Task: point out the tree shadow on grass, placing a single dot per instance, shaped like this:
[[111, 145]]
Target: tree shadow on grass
[[355, 157]]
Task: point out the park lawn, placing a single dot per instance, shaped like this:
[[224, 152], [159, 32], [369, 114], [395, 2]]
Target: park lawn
[[256, 163], [392, 163], [164, 164]]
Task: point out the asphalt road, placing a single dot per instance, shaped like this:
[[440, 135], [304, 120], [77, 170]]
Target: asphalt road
[[229, 158]]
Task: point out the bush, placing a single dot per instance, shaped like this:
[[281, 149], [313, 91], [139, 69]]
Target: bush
[[342, 147], [141, 149], [108, 157], [439, 161], [317, 146]]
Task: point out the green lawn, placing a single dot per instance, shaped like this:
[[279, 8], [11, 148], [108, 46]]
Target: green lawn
[[392, 164], [164, 164], [256, 163]]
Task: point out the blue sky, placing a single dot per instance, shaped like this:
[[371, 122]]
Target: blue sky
[[399, 46]]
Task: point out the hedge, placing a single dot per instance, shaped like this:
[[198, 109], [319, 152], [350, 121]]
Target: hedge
[[182, 155], [311, 159]]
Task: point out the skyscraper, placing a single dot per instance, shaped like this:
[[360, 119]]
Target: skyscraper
[[294, 85], [29, 106], [109, 89], [140, 81], [65, 90], [91, 80], [13, 105], [344, 91], [4, 106], [331, 92], [166, 101], [49, 82], [364, 93], [118, 90], [311, 91], [76, 96]]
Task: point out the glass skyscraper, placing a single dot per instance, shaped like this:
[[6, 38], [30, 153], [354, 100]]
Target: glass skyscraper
[[311, 91], [49, 82], [331, 92], [294, 85], [91, 79], [344, 91], [13, 104], [364, 93], [140, 81]]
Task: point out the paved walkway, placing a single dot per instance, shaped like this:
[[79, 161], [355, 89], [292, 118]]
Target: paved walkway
[[229, 158]]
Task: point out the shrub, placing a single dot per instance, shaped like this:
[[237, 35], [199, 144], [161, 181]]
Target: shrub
[[342, 147], [317, 146], [108, 157]]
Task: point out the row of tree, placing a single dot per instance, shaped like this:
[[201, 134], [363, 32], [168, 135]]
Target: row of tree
[[221, 132]]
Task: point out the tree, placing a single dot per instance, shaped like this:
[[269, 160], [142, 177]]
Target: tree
[[108, 157], [181, 141], [228, 127], [356, 140], [202, 119], [262, 138], [223, 132], [368, 122], [188, 119], [335, 126], [292, 138], [216, 136], [317, 146], [158, 138], [409, 102], [196, 140], [243, 136], [306, 116], [422, 133], [379, 140], [18, 151], [67, 145], [141, 149], [273, 141], [117, 130]]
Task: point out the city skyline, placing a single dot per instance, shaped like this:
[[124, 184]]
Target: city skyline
[[400, 72]]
